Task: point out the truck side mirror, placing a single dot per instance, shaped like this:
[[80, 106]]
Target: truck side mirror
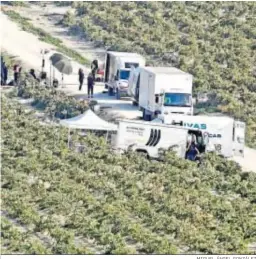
[[116, 78]]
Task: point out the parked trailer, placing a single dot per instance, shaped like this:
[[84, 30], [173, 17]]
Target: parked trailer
[[226, 135], [164, 90], [148, 138], [117, 71]]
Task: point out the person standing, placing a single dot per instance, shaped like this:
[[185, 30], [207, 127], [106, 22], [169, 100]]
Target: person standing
[[4, 73], [90, 85], [192, 150], [80, 78], [16, 71], [94, 68]]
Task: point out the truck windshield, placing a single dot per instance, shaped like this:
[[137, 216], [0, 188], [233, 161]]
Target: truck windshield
[[177, 99], [124, 74], [129, 65]]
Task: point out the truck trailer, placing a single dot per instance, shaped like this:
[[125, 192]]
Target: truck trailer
[[226, 135], [148, 138], [164, 90], [134, 85], [117, 71]]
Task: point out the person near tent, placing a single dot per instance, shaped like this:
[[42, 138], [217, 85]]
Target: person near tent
[[80, 78], [90, 85], [4, 73], [192, 150], [94, 68], [16, 70]]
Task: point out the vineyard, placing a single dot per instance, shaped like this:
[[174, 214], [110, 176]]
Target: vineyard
[[214, 41], [62, 202]]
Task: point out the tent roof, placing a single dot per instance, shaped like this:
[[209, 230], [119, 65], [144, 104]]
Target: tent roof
[[88, 120]]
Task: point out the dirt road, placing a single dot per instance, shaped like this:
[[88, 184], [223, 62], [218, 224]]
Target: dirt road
[[28, 46]]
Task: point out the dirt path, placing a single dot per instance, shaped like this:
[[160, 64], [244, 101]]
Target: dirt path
[[48, 17]]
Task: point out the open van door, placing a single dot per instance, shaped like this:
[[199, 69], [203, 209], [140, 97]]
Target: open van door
[[238, 138]]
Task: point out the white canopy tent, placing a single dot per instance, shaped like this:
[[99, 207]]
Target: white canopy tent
[[90, 121]]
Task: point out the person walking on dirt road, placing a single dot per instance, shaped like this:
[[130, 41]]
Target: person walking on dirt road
[[80, 78], [4, 73], [90, 85], [16, 71], [94, 68]]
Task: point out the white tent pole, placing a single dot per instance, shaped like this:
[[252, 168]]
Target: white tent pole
[[107, 136]]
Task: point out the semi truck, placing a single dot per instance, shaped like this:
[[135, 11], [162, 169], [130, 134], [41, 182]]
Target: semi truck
[[117, 71], [149, 138], [164, 90], [226, 135]]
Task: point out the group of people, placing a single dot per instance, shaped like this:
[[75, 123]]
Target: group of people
[[17, 69], [17, 72], [90, 78]]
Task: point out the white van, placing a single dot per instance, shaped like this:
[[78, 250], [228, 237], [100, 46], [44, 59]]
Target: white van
[[148, 138]]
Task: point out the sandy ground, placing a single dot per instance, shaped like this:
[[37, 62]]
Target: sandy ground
[[29, 47]]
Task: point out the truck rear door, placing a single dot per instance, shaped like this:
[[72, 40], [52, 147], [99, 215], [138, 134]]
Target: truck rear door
[[151, 92], [107, 68], [238, 138]]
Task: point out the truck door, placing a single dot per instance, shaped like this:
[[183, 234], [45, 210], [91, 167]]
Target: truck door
[[107, 68], [151, 93], [238, 138]]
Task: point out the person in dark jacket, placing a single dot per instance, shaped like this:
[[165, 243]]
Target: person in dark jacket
[[90, 85], [94, 68], [16, 71], [32, 73], [4, 73], [80, 78], [192, 150]]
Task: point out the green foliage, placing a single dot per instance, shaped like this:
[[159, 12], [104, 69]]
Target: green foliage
[[45, 36], [214, 41], [63, 3], [54, 103], [120, 203], [16, 3]]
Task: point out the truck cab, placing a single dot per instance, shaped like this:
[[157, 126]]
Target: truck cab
[[164, 90], [174, 102]]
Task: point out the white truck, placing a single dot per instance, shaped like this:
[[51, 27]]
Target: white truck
[[148, 138], [226, 136], [117, 71], [164, 90]]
